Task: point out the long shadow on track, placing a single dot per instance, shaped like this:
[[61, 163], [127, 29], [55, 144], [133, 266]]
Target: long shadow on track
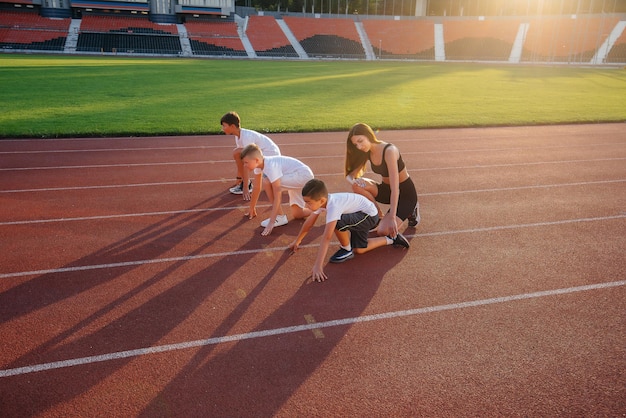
[[255, 377], [142, 327]]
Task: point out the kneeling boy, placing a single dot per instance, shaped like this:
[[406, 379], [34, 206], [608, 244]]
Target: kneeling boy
[[276, 173], [350, 217]]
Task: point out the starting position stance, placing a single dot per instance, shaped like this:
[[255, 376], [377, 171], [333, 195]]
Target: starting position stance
[[231, 125], [349, 216], [275, 174]]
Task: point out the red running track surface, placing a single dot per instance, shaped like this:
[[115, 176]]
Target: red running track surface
[[131, 284]]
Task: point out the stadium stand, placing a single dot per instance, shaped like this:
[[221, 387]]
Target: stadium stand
[[479, 40], [565, 39], [122, 34], [215, 38], [409, 39], [331, 38], [617, 54], [267, 39], [100, 23], [29, 31], [586, 39]]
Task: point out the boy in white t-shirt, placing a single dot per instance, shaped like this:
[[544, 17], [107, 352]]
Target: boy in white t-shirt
[[275, 174], [350, 217], [231, 125]]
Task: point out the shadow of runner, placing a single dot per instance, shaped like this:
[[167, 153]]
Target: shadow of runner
[[141, 327], [148, 243], [257, 376]]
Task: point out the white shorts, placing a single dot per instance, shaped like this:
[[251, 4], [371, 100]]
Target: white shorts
[[293, 184]]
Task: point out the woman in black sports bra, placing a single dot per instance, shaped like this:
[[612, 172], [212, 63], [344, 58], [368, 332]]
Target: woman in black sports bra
[[397, 188]]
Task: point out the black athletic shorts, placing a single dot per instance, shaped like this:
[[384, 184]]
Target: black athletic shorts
[[406, 201], [359, 224]]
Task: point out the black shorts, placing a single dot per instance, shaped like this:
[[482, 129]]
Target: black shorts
[[406, 201], [359, 224]]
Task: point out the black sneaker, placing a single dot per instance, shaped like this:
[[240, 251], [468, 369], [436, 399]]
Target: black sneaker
[[400, 241], [341, 256], [238, 189], [414, 219]]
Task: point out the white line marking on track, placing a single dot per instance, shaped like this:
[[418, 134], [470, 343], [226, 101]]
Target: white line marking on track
[[299, 328], [184, 211], [308, 157], [176, 183], [268, 249]]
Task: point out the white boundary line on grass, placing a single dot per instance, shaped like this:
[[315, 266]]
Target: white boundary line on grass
[[272, 249], [299, 328]]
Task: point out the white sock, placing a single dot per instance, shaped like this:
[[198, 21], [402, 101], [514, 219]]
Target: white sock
[[389, 240], [347, 247]]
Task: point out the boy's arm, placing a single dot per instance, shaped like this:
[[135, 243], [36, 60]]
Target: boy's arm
[[256, 192], [318, 268], [276, 191], [306, 227]]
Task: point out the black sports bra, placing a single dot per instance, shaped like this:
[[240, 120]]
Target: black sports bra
[[382, 169]]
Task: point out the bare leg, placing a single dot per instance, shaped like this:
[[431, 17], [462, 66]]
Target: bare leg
[[299, 213], [372, 243], [267, 186], [238, 163]]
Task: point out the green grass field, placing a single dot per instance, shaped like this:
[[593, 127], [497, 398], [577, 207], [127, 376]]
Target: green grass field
[[62, 96]]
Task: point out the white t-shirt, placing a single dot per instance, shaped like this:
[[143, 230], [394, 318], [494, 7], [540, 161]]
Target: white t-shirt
[[275, 167], [247, 137], [340, 203]]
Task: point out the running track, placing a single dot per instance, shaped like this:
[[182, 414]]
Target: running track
[[132, 285]]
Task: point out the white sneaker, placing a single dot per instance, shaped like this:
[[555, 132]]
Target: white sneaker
[[280, 221]]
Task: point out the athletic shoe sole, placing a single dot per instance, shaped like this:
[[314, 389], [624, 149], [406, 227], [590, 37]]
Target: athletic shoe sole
[[347, 256], [280, 221]]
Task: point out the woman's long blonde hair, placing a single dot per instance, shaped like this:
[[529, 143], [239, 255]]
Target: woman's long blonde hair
[[355, 158]]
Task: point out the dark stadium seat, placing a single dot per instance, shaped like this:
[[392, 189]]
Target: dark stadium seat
[[412, 39], [334, 38], [214, 38], [267, 38], [29, 31], [484, 40], [564, 39], [132, 35]]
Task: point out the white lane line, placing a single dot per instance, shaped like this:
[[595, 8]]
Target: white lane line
[[282, 249], [129, 165], [299, 328], [184, 211], [77, 150], [174, 183], [479, 166], [308, 157], [537, 186], [112, 186]]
